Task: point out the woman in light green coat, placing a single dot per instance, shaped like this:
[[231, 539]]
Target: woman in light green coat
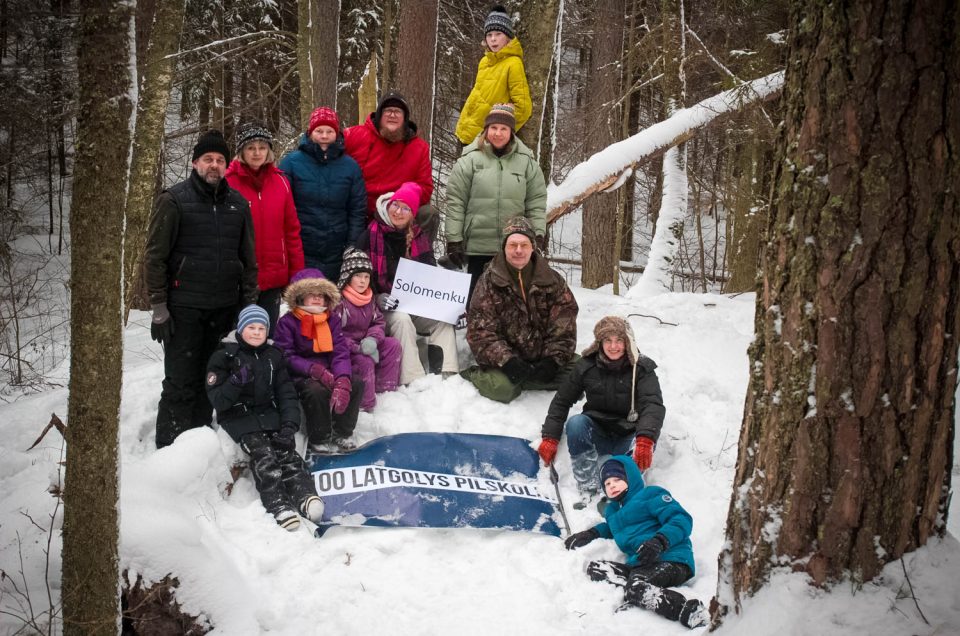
[[495, 179]]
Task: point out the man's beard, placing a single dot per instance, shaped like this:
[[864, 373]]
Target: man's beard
[[211, 177], [392, 137]]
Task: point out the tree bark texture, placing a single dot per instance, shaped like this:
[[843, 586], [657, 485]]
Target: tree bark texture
[[318, 25], [603, 90], [416, 60], [845, 451], [537, 30], [90, 592], [154, 96], [359, 31]]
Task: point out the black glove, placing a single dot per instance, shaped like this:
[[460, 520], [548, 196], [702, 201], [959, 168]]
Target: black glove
[[516, 370], [455, 253], [541, 243], [649, 551], [161, 324], [580, 539], [286, 437], [545, 370]]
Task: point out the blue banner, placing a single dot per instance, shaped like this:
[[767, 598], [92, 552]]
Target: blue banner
[[436, 480]]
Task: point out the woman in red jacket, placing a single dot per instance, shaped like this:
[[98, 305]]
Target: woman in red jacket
[[276, 226]]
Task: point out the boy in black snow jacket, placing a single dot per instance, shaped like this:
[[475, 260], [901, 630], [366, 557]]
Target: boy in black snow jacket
[[256, 403]]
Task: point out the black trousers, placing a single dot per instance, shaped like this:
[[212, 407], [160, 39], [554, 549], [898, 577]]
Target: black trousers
[[646, 586], [475, 266], [269, 299], [183, 400], [280, 475], [323, 424]]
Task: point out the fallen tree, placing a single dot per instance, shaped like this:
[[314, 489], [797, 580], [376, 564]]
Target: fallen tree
[[604, 169]]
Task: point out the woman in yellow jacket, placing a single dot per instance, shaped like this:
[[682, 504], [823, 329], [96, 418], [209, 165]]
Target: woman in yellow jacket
[[500, 78]]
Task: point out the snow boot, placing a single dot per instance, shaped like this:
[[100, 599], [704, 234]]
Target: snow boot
[[287, 519], [585, 473], [312, 508], [435, 359], [344, 444], [694, 614], [660, 600]]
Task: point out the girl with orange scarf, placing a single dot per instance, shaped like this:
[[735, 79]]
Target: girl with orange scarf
[[318, 358]]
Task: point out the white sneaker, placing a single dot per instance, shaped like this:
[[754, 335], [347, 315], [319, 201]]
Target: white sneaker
[[312, 508]]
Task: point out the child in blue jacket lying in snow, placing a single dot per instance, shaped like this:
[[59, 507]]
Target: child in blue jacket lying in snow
[[654, 531]]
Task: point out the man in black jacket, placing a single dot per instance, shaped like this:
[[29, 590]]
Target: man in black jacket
[[199, 266]]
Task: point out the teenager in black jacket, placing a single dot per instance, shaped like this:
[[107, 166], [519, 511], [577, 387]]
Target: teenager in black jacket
[[624, 406], [256, 404]]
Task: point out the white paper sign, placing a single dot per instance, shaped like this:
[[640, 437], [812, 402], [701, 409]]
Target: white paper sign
[[429, 291]]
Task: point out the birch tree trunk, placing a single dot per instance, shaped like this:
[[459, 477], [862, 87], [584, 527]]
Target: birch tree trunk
[[845, 450], [154, 96], [537, 31], [90, 592]]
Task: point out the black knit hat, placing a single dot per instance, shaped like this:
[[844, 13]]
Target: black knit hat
[[392, 98], [498, 20], [253, 131], [355, 261], [211, 141], [612, 468]]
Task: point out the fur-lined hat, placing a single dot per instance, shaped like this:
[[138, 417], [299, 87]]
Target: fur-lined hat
[[617, 326], [310, 281], [613, 326]]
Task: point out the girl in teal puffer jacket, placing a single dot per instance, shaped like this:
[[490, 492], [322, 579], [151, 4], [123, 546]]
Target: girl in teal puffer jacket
[[653, 530]]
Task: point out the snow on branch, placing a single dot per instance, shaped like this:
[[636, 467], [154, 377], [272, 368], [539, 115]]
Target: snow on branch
[[603, 169]]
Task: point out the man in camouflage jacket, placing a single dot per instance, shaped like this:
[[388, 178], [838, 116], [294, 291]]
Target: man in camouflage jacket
[[522, 320]]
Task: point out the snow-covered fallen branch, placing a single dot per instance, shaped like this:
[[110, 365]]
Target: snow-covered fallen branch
[[604, 168]]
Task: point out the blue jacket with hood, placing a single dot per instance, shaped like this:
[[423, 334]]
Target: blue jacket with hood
[[642, 512]]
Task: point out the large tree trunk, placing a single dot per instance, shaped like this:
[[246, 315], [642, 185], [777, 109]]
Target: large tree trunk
[[603, 90], [90, 526], [318, 25], [845, 450], [416, 60], [156, 80], [537, 30], [358, 40]]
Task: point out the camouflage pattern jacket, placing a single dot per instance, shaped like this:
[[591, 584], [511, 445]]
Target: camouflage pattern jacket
[[501, 325]]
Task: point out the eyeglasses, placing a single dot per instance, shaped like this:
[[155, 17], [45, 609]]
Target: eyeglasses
[[399, 208], [393, 112]]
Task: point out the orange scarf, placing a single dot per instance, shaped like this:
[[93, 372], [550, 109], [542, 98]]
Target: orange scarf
[[315, 327], [356, 298]]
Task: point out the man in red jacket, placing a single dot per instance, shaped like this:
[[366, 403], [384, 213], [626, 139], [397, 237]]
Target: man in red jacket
[[390, 153]]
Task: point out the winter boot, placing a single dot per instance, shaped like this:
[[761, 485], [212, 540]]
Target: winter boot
[[694, 614], [435, 359], [344, 444], [287, 519], [312, 508], [660, 600], [585, 474]]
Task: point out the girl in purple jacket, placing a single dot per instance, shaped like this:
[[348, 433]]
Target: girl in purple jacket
[[374, 356], [319, 361]]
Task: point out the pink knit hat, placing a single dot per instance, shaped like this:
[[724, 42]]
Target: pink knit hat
[[408, 193], [324, 116]]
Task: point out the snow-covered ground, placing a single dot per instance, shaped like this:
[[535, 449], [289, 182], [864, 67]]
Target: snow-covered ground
[[247, 576]]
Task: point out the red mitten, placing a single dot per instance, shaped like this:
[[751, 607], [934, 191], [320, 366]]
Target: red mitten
[[547, 450], [643, 452], [322, 375], [340, 397]]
